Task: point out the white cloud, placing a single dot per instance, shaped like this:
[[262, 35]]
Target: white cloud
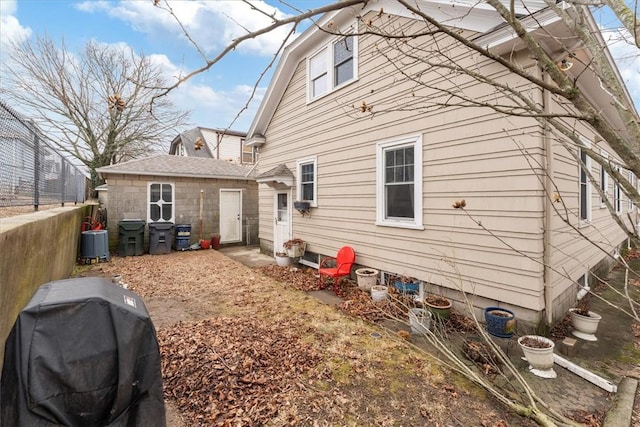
[[211, 24], [11, 30]]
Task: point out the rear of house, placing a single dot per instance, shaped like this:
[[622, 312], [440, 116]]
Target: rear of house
[[382, 160]]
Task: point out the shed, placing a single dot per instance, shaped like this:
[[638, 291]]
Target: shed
[[174, 189]]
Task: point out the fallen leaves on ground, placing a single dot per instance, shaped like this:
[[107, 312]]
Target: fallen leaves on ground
[[228, 371]]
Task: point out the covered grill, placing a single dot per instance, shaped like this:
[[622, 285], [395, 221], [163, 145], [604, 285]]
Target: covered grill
[[83, 352]]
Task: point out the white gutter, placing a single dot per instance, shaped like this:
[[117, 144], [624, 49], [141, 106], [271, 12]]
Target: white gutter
[[587, 375]]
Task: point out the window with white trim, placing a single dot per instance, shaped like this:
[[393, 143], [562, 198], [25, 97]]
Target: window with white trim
[[332, 66], [307, 180], [617, 194], [604, 180], [585, 187], [399, 183], [631, 179], [160, 202]]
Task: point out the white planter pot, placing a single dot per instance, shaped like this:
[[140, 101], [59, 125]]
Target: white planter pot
[[419, 320], [297, 250], [283, 261], [540, 359], [379, 293], [585, 327], [367, 277]]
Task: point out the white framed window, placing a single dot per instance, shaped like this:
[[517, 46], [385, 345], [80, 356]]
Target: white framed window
[[617, 194], [604, 180], [248, 153], [332, 66], [399, 182], [160, 202], [631, 178], [307, 185], [585, 187]]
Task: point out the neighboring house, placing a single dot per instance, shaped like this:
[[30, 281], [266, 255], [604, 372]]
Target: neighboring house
[[176, 189], [384, 182], [208, 143]]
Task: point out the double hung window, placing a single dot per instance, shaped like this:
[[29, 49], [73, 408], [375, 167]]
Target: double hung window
[[332, 66], [307, 180], [585, 187], [399, 183]]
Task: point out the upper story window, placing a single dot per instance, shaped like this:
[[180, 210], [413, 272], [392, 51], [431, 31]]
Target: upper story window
[[332, 66], [307, 180], [399, 183], [160, 198], [248, 153]]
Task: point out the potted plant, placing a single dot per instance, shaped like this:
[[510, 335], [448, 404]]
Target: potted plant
[[379, 293], [438, 305], [500, 322], [406, 284], [539, 354], [367, 277], [282, 259], [295, 248], [584, 321]]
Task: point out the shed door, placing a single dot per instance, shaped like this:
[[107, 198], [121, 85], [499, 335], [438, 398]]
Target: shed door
[[282, 215], [230, 216]]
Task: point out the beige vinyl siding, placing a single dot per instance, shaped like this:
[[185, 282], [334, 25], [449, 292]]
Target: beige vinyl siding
[[468, 153], [571, 255]]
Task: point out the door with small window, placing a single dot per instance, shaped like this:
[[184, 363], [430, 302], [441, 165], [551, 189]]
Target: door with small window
[[282, 219]]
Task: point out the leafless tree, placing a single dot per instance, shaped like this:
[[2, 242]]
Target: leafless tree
[[97, 104], [435, 46]]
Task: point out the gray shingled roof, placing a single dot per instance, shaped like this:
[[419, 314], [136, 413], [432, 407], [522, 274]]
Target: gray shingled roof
[[168, 165]]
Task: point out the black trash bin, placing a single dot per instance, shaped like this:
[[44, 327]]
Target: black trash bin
[[131, 237], [83, 352], [183, 236], [160, 237]]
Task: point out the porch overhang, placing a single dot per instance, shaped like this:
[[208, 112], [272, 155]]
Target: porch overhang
[[278, 177]]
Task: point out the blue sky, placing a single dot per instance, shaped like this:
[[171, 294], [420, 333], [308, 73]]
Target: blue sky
[[214, 97]]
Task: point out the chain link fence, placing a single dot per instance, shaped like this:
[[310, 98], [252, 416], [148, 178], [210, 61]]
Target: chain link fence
[[31, 171]]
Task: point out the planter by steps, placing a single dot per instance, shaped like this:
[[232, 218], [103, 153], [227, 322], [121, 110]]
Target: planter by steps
[[283, 260], [538, 351], [585, 327]]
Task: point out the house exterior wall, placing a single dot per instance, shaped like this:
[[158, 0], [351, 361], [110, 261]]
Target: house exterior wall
[[128, 200], [495, 249], [467, 154], [224, 147], [572, 254]]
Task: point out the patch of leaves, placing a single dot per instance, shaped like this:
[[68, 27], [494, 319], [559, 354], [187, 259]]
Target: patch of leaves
[[303, 279], [229, 371]]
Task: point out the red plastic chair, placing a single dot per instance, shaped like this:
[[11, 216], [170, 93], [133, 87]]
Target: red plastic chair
[[344, 260]]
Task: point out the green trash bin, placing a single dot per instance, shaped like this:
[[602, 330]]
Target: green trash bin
[[160, 237], [131, 237]]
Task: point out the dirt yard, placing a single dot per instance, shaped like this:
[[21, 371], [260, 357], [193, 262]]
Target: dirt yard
[[240, 348]]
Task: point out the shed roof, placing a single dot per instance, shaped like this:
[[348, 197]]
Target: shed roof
[[179, 166]]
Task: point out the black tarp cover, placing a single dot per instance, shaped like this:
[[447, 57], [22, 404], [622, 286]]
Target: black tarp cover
[[83, 352]]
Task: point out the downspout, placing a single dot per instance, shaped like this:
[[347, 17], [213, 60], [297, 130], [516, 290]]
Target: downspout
[[548, 208]]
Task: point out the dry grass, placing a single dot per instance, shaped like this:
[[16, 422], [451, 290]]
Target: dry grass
[[358, 380]]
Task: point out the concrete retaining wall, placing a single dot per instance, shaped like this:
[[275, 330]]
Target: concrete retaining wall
[[35, 249]]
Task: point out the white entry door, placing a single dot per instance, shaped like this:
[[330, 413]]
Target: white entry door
[[282, 214], [230, 216]]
